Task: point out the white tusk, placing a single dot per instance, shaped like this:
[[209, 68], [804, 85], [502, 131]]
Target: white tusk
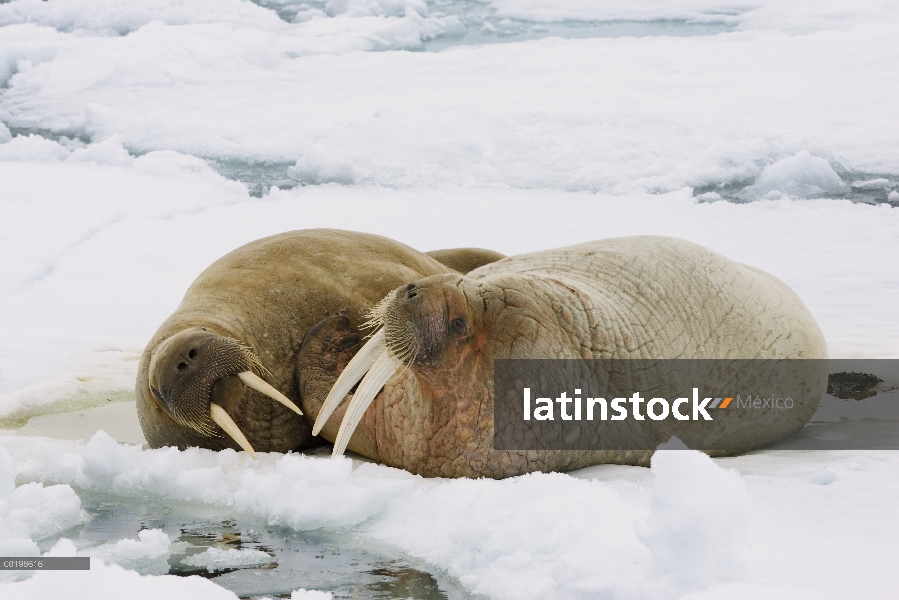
[[257, 383], [353, 372], [383, 369], [223, 420]]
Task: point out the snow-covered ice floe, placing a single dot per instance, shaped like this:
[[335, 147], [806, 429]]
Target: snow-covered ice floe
[[776, 524], [234, 83], [140, 141]]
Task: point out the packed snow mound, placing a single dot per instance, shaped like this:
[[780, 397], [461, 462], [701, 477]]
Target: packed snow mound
[[217, 559], [687, 537], [799, 176]]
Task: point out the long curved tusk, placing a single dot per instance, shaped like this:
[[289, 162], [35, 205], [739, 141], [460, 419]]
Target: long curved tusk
[[257, 383], [353, 372], [383, 369], [224, 420]]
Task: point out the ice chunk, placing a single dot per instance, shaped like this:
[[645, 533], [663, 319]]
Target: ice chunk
[[873, 184], [304, 594], [148, 554], [709, 197], [32, 147], [31, 511], [799, 176], [108, 152], [216, 559], [697, 519], [318, 166], [169, 163]]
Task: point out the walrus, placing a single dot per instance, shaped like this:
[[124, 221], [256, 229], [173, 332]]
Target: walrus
[[209, 375], [425, 400]]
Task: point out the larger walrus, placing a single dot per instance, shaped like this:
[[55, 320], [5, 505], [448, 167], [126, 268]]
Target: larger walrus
[[209, 374], [636, 297]]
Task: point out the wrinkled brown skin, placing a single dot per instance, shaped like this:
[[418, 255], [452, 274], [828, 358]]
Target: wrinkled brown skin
[[267, 295], [639, 297]]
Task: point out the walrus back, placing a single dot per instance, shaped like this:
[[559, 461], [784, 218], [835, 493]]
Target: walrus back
[[662, 297]]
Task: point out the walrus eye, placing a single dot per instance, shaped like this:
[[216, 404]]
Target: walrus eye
[[459, 325]]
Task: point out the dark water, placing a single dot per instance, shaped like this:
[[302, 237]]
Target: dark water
[[337, 562]]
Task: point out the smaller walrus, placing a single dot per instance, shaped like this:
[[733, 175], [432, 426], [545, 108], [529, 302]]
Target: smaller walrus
[[209, 373], [640, 297]]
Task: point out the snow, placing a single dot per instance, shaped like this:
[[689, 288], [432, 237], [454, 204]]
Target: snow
[[685, 538], [538, 124], [31, 512], [576, 114], [770, 522]]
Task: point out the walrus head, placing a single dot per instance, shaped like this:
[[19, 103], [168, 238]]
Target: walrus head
[[433, 356], [199, 377]]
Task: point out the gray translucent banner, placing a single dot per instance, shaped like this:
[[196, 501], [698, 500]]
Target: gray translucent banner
[[723, 406], [45, 563]]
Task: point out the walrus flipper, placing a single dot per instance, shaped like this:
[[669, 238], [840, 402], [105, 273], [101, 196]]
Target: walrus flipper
[[325, 352]]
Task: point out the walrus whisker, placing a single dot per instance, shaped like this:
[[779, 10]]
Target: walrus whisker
[[257, 383], [351, 375], [379, 373], [375, 316], [224, 420]]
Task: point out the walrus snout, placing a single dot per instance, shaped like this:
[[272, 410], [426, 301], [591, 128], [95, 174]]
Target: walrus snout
[[199, 377], [424, 318]]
